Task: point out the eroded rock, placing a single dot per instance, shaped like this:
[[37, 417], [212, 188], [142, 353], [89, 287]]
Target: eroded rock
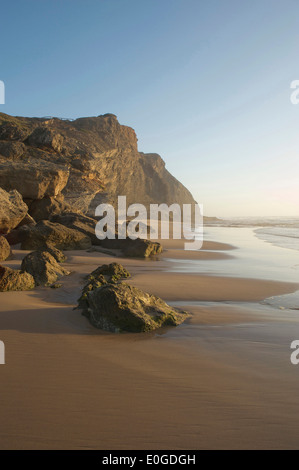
[[12, 150], [15, 280], [34, 179], [12, 210], [122, 307], [138, 248], [44, 209], [28, 220], [5, 250], [55, 252], [43, 267], [107, 273], [46, 139], [79, 222], [45, 232]]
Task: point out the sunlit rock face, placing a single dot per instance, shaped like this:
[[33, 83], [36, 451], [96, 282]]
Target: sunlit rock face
[[86, 161]]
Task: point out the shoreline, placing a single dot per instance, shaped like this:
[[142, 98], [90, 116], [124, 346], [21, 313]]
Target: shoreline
[[226, 369]]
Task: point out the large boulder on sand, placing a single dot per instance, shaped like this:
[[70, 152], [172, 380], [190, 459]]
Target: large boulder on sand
[[55, 252], [140, 248], [43, 267], [5, 250], [13, 280], [121, 307], [112, 272], [79, 222], [12, 210], [105, 274], [45, 232], [137, 248], [115, 306]]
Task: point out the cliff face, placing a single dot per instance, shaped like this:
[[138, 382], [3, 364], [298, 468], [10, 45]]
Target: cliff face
[[86, 161]]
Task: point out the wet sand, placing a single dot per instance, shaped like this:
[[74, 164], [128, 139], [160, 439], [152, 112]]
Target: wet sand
[[223, 379]]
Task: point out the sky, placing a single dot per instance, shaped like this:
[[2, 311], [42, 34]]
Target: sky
[[206, 84]]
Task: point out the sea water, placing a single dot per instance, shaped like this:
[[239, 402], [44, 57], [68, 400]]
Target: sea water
[[280, 231], [266, 248]]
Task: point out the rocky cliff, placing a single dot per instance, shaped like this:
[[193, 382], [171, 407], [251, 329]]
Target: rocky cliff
[[83, 163]]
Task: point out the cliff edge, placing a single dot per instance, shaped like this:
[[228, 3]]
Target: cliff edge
[[82, 163]]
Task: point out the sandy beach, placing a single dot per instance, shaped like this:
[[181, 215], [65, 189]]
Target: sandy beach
[[223, 379]]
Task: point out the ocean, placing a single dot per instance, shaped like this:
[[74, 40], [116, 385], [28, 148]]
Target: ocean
[[280, 231], [266, 248]]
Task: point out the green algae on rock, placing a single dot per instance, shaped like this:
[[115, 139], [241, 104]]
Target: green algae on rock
[[122, 307], [15, 280]]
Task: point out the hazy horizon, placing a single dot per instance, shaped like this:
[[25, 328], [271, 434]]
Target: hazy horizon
[[204, 84]]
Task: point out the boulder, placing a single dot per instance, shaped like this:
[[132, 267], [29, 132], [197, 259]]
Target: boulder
[[112, 272], [45, 232], [44, 209], [34, 179], [57, 254], [107, 273], [138, 248], [121, 307], [12, 210], [5, 251], [78, 222], [13, 280], [43, 267], [28, 220], [13, 237]]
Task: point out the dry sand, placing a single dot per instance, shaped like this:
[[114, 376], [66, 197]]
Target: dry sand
[[221, 380]]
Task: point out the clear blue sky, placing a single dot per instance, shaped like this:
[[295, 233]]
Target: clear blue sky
[[206, 84]]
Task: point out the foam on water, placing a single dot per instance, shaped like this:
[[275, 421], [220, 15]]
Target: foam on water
[[285, 237], [280, 231]]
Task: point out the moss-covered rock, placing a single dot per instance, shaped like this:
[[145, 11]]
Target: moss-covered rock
[[107, 273], [43, 267], [112, 272], [57, 254], [121, 307], [15, 280]]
